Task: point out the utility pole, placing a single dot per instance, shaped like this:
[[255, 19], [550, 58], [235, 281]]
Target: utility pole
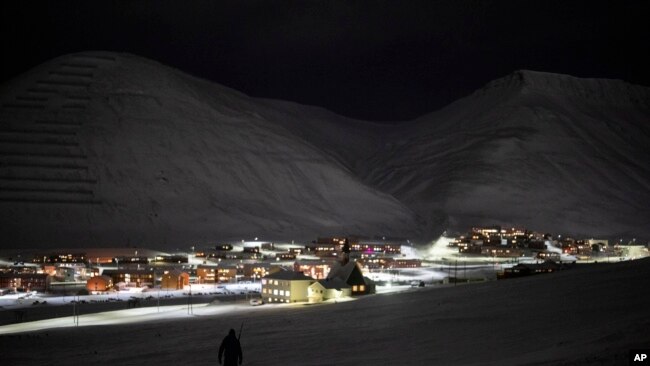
[[190, 310], [75, 311]]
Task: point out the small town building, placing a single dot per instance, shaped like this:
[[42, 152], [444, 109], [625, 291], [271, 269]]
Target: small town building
[[501, 252], [251, 249], [326, 249], [389, 263], [545, 255], [256, 271], [177, 259], [99, 284], [527, 269], [318, 269], [328, 289], [49, 269], [206, 274], [224, 247], [283, 256], [130, 277], [226, 273], [125, 260], [25, 281], [286, 287], [375, 262], [352, 275], [214, 274], [64, 257], [375, 247], [174, 280], [406, 263]]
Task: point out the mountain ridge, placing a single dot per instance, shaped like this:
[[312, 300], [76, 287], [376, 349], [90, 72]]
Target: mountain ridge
[[148, 155]]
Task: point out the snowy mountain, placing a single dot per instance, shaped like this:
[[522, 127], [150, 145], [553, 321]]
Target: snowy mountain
[[100, 148], [545, 151]]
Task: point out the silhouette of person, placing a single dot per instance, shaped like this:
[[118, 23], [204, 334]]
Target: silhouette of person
[[230, 349]]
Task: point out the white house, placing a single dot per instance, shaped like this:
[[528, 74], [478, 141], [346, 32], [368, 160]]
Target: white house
[[327, 289]]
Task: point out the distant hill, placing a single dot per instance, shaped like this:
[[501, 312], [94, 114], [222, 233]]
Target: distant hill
[[546, 151], [106, 149]]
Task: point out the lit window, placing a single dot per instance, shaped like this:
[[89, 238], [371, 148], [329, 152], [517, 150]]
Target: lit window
[[362, 288], [275, 292], [287, 293], [354, 288], [275, 282], [281, 292], [263, 282]]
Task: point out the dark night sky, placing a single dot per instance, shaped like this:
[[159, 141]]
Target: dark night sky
[[372, 60]]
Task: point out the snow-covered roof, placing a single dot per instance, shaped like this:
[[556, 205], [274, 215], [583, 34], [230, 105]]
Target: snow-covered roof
[[126, 271], [333, 283], [343, 272], [350, 273], [289, 275]]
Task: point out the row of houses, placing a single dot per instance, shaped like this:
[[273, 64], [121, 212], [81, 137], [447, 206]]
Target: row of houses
[[495, 241], [25, 281], [359, 247], [170, 280], [137, 267]]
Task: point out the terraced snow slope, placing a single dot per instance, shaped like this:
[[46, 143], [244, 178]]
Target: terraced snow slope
[[102, 148]]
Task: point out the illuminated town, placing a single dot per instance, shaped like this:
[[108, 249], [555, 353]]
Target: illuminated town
[[256, 272]]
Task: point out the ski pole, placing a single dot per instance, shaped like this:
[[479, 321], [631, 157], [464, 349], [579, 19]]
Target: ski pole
[[240, 330]]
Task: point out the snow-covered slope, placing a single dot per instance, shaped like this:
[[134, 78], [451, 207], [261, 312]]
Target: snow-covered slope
[[109, 149], [102, 148], [546, 151]]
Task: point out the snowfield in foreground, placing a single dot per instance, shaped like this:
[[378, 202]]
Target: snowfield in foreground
[[593, 314]]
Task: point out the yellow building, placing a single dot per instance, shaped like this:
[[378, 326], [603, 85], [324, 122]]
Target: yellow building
[[285, 287]]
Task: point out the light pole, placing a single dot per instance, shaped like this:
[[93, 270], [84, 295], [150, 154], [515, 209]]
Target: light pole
[[189, 302]]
